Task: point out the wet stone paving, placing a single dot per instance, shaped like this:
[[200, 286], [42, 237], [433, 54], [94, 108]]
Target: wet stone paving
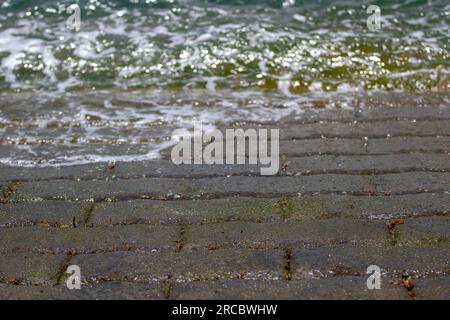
[[353, 190]]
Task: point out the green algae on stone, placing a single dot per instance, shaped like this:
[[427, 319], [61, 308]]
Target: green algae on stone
[[286, 206]]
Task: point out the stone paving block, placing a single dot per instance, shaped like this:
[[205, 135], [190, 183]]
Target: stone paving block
[[358, 146], [100, 291], [165, 168], [336, 288], [408, 145], [421, 181], [267, 209], [39, 239], [433, 289], [378, 110], [368, 207], [29, 268], [283, 234], [378, 113], [45, 212], [85, 171], [287, 185], [438, 162], [185, 211], [392, 128], [163, 187], [435, 224], [293, 148], [394, 261], [316, 164], [367, 164], [187, 265], [312, 164], [425, 229], [101, 190]]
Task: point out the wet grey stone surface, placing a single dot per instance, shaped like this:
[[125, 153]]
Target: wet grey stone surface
[[355, 188]]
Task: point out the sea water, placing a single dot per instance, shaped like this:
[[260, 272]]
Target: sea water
[[116, 88]]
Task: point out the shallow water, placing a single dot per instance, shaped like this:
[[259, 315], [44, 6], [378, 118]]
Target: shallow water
[[136, 70]]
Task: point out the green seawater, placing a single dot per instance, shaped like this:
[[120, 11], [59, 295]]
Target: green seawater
[[238, 45], [135, 70]]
